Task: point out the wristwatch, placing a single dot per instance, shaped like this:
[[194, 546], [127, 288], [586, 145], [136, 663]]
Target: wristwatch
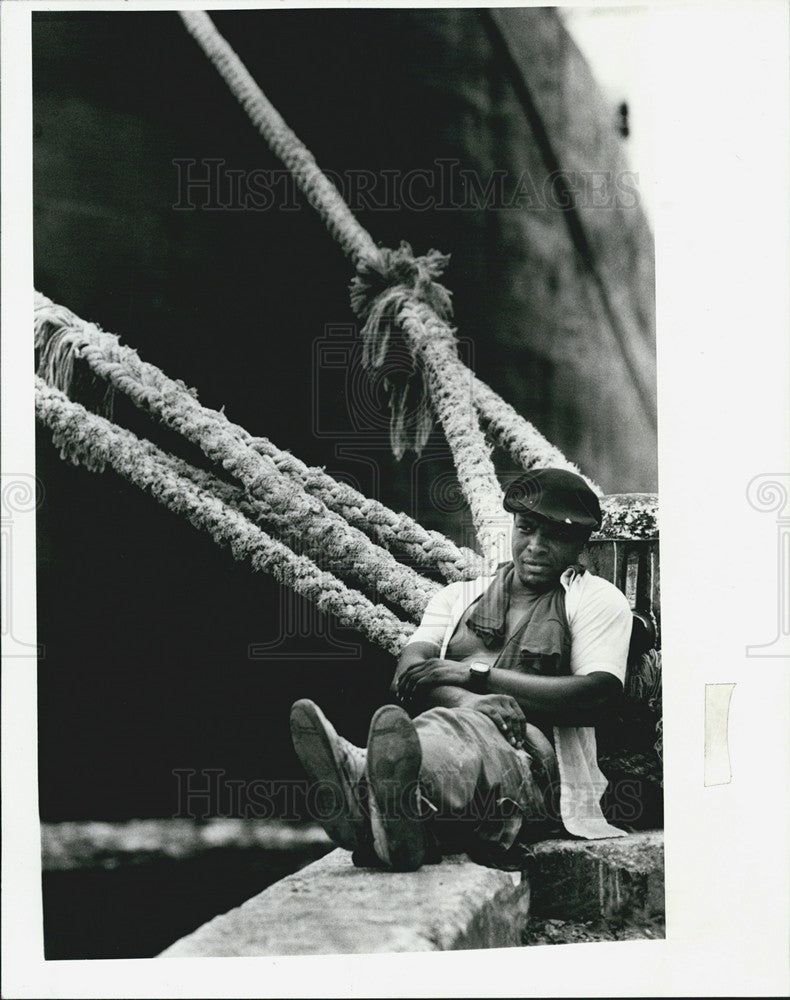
[[478, 676]]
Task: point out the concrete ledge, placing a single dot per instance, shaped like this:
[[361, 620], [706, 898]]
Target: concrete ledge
[[591, 880], [331, 907]]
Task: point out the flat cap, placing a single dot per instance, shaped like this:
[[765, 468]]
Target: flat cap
[[555, 494]]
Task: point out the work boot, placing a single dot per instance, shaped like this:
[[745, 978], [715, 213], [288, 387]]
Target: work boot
[[335, 767], [394, 757]]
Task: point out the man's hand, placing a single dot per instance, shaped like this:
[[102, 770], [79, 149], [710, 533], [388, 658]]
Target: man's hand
[[507, 715], [430, 673]]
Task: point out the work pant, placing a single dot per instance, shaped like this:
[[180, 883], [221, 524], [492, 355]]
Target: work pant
[[481, 793]]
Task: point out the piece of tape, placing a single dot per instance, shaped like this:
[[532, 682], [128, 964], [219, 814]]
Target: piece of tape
[[718, 770]]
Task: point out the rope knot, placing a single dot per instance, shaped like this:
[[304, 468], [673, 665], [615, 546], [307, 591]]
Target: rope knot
[[397, 274], [381, 287]]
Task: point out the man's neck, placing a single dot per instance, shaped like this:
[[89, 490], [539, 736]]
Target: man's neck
[[520, 592], [523, 593]]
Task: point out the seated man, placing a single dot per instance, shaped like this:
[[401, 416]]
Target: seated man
[[504, 680]]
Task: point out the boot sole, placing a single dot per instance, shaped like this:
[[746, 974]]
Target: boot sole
[[393, 770], [336, 800]]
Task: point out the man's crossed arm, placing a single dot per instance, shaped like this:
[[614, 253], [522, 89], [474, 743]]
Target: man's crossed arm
[[422, 680]]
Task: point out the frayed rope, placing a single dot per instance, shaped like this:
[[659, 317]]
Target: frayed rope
[[378, 291], [59, 342]]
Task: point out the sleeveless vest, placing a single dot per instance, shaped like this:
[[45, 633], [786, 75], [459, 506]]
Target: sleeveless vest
[[541, 642]]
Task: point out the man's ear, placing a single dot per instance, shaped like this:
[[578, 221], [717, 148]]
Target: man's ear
[[582, 544]]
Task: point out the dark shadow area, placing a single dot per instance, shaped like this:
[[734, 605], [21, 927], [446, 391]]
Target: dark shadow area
[[138, 909]]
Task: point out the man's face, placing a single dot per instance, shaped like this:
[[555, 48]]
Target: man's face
[[542, 550]]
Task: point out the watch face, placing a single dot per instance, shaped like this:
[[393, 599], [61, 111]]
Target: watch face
[[478, 676]]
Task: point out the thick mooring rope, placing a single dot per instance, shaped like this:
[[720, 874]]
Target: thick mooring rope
[[289, 507], [86, 438]]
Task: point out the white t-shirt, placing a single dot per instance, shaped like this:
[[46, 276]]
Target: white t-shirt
[[600, 623]]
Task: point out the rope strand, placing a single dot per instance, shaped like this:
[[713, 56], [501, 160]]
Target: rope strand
[[395, 531], [520, 439], [450, 390], [315, 185]]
